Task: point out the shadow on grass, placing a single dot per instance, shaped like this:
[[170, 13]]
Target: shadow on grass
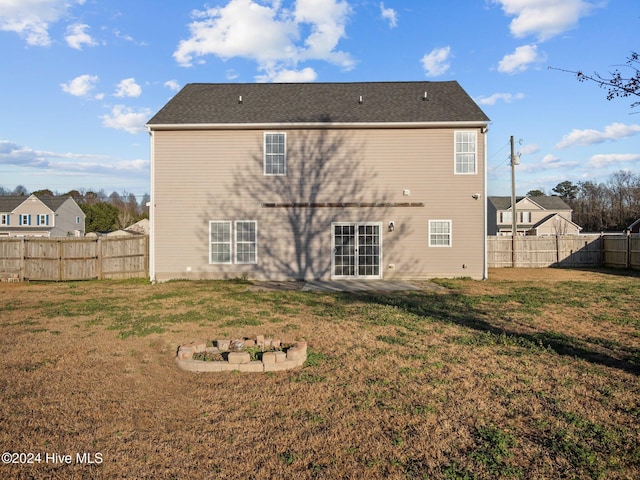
[[465, 311]]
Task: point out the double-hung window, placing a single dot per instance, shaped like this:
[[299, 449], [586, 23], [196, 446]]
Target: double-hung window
[[4, 219], [439, 233], [275, 153], [25, 219], [219, 242], [42, 219], [246, 241], [235, 242], [465, 152]]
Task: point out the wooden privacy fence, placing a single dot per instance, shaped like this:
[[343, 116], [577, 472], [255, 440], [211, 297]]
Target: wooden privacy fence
[[61, 259], [619, 251]]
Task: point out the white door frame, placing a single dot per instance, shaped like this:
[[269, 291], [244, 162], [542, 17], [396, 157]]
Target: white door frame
[[356, 268]]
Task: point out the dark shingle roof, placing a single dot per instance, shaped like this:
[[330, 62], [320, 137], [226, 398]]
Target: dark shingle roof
[[8, 203], [269, 103], [547, 202]]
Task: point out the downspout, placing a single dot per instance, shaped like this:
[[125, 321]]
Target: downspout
[[152, 209], [485, 213]]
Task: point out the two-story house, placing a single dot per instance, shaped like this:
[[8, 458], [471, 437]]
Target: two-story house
[[539, 216], [44, 216], [318, 181]]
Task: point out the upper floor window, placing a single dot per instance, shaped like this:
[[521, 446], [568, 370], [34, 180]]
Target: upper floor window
[[42, 219], [505, 217], [525, 217], [275, 154], [465, 152], [25, 219], [4, 219]]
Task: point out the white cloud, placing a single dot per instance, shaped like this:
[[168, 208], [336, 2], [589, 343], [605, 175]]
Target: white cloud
[[529, 149], [550, 160], [268, 34], [504, 97], [172, 85], [127, 38], [605, 160], [77, 36], [288, 76], [544, 18], [14, 154], [436, 62], [31, 19], [127, 119], [81, 86], [128, 88], [520, 59], [615, 131], [390, 15]]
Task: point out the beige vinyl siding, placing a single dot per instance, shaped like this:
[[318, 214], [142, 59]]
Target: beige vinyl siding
[[207, 175]]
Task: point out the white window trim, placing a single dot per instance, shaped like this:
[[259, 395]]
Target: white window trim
[[506, 217], [455, 153], [4, 219], [236, 242], [211, 262], [450, 244], [264, 159]]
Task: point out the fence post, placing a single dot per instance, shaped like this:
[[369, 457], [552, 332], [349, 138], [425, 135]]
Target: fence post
[[23, 261], [557, 250], [60, 261], [99, 257], [628, 255]]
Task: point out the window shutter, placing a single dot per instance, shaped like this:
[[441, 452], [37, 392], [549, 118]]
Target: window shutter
[[19, 219], [38, 220], [46, 219], [8, 219], [29, 218]]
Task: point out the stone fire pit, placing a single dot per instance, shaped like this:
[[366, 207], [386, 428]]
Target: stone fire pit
[[269, 355]]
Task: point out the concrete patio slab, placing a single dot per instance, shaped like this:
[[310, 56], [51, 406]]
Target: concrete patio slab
[[358, 286]]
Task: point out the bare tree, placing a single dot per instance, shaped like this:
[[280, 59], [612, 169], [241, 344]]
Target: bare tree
[[625, 83]]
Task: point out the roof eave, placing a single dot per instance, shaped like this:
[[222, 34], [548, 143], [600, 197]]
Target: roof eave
[[284, 125]]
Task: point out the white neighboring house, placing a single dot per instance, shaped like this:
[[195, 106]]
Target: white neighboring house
[[44, 216], [537, 216]]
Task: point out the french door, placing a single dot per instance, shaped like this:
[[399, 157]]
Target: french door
[[357, 250]]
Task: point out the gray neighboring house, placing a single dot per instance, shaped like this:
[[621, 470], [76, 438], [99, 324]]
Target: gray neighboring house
[[634, 227], [318, 181], [538, 216], [43, 216]]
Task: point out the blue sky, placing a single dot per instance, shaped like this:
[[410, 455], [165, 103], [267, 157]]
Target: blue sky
[[80, 78]]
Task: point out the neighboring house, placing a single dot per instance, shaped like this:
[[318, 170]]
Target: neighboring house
[[634, 227], [318, 181], [43, 216], [139, 228], [538, 216]]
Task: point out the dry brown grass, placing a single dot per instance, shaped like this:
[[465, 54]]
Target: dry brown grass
[[532, 374]]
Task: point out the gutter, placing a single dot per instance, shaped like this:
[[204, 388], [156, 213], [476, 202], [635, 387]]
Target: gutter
[[290, 125]]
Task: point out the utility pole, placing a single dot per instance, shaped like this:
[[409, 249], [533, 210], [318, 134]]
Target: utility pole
[[514, 220]]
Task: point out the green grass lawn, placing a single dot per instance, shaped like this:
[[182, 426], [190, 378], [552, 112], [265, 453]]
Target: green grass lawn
[[530, 374]]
